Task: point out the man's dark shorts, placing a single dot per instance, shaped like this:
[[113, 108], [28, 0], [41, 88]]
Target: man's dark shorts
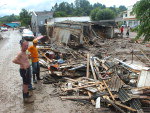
[[25, 74]]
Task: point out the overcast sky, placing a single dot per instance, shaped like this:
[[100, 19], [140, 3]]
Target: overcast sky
[[8, 7]]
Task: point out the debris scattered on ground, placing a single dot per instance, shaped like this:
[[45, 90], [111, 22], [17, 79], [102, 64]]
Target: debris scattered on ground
[[105, 72]]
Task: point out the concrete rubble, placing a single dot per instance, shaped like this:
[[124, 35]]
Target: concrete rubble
[[94, 67]]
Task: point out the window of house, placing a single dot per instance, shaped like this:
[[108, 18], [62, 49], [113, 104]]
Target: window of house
[[126, 15], [42, 22]]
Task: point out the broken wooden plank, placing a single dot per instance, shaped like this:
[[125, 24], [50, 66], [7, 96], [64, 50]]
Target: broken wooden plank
[[90, 95], [92, 68], [145, 55], [81, 87], [108, 90], [124, 106], [142, 88], [140, 96], [73, 80], [146, 101], [113, 104], [88, 65], [47, 58], [75, 97], [104, 66]]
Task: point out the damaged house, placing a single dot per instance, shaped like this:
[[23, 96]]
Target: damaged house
[[79, 32]]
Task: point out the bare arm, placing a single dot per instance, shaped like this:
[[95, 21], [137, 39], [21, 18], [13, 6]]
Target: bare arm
[[17, 59]]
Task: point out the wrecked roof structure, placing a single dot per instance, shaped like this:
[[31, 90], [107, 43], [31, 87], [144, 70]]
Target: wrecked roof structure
[[80, 32]]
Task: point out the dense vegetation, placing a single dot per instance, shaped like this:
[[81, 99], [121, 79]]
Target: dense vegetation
[[25, 17], [10, 18], [84, 8], [102, 14], [142, 11]]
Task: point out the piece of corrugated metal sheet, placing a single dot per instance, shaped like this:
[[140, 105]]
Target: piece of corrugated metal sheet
[[136, 104], [123, 95], [115, 83], [144, 79]]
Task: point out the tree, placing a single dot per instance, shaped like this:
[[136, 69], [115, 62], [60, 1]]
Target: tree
[[63, 9], [99, 5], [55, 8], [10, 18], [142, 12], [102, 14], [122, 8], [82, 6], [60, 14], [94, 13], [25, 17]]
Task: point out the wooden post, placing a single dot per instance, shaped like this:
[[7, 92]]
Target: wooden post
[[87, 75], [88, 64], [92, 68]]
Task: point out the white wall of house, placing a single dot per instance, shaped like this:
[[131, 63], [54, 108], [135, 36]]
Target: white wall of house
[[38, 20], [34, 23], [42, 18]]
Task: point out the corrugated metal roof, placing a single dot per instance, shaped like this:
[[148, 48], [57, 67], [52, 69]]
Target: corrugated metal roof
[[12, 24], [43, 12], [123, 95], [76, 19], [136, 104], [115, 83]]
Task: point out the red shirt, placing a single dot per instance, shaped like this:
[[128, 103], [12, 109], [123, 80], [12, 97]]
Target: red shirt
[[121, 29]]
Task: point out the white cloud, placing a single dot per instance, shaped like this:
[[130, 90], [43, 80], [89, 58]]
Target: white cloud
[[15, 6]]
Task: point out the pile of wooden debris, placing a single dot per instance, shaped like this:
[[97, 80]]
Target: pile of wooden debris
[[105, 82]]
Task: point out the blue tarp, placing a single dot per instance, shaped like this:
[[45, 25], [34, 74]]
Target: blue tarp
[[12, 24]]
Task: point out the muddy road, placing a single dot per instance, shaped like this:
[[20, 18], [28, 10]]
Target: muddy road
[[46, 96]]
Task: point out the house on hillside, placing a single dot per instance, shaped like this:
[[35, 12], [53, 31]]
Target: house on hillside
[[38, 21], [129, 19]]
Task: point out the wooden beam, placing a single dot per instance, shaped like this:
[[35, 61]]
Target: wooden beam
[[108, 90], [90, 95], [81, 87], [145, 55], [124, 106], [113, 104]]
